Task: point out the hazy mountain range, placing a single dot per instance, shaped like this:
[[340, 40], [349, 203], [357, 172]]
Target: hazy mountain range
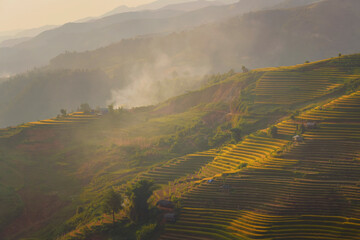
[[185, 5], [12, 38], [292, 3], [102, 32], [258, 39], [137, 68]]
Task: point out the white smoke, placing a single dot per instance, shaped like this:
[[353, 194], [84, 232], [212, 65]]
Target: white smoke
[[5, 75], [156, 82]]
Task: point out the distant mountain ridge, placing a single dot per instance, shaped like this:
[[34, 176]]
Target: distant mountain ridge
[[12, 42], [258, 39], [22, 35], [294, 3], [173, 4], [191, 6], [150, 6], [102, 32]]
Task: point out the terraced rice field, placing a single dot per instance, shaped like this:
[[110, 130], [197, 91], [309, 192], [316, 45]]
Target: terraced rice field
[[252, 151], [290, 87], [70, 119], [311, 191], [179, 167], [200, 223], [8, 132]]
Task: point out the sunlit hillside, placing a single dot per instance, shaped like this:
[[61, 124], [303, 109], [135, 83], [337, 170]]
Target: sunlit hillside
[[180, 120], [210, 151]]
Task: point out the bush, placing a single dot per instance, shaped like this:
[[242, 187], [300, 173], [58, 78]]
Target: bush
[[220, 138], [79, 209], [242, 165], [273, 131], [146, 232], [85, 108], [236, 134], [300, 129]]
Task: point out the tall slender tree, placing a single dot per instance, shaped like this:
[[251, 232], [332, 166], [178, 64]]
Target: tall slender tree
[[112, 203]]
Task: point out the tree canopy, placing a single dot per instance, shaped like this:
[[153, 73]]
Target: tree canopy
[[112, 203], [85, 108], [138, 195]]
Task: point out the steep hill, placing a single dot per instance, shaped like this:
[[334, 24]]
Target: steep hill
[[264, 185], [302, 190]]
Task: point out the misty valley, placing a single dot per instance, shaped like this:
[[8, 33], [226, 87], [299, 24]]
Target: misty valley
[[181, 120]]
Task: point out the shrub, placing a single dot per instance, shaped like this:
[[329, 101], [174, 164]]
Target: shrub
[[244, 69], [273, 131], [79, 209], [63, 112], [242, 165], [300, 129], [236, 134], [220, 138], [85, 108], [146, 232]]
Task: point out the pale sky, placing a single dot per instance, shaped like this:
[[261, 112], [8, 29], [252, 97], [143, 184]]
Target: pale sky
[[25, 14]]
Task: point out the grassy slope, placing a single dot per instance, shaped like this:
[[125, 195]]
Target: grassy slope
[[66, 163]]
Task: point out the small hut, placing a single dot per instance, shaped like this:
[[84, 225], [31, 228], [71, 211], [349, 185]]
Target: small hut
[[298, 138]]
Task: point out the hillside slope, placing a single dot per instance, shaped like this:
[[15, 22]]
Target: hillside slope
[[307, 190], [274, 188]]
